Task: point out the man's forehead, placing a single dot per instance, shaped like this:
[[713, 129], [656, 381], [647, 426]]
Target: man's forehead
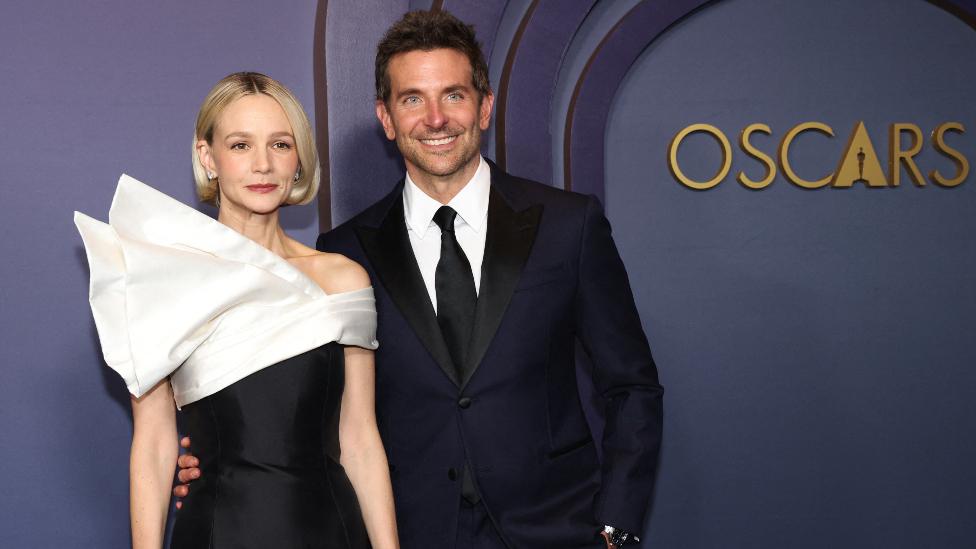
[[430, 65]]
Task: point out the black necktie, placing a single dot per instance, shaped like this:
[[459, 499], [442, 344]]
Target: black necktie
[[456, 296], [456, 300]]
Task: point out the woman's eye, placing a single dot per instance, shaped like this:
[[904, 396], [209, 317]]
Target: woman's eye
[[282, 145], [239, 146]]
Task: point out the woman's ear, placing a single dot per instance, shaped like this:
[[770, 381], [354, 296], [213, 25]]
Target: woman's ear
[[206, 156]]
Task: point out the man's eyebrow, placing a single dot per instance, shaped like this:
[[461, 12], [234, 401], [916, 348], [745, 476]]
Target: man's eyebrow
[[447, 89], [408, 91]]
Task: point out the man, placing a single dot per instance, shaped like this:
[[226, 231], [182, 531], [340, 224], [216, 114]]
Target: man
[[484, 282]]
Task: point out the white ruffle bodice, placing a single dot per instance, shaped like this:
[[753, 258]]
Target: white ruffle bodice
[[176, 293]]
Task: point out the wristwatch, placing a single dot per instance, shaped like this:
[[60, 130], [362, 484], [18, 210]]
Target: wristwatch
[[618, 537]]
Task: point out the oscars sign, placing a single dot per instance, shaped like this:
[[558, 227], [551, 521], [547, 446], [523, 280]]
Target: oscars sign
[[859, 163]]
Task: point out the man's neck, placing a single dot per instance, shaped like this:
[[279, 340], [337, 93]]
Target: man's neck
[[444, 188]]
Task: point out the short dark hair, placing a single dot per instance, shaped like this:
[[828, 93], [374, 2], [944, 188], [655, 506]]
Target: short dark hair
[[425, 31]]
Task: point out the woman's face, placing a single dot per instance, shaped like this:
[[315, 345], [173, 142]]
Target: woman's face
[[253, 154]]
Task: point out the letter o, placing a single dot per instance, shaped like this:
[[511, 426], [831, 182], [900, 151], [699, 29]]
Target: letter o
[[726, 157]]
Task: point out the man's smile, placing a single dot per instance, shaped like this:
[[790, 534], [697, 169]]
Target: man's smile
[[439, 140]]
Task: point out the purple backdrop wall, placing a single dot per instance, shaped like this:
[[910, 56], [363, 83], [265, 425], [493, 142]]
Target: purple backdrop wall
[[92, 90]]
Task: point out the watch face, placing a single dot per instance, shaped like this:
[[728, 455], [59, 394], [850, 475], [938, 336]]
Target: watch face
[[618, 538]]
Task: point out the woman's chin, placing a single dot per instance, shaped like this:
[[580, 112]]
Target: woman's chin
[[261, 205]]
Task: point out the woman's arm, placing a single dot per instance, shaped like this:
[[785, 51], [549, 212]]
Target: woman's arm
[[361, 450], [362, 453], [151, 464]]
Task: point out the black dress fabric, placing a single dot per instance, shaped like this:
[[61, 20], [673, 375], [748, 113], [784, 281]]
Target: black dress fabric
[[268, 447]]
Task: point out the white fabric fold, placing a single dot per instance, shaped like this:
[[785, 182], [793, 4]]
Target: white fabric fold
[[175, 293]]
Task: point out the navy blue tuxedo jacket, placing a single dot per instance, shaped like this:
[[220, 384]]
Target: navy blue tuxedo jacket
[[551, 276]]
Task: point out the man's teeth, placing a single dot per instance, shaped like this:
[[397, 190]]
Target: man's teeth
[[442, 141]]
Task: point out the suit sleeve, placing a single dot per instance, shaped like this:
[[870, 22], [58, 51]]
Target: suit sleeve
[[324, 244], [338, 241], [624, 375]]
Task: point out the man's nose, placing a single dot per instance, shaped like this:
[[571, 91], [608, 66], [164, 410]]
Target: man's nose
[[435, 117]]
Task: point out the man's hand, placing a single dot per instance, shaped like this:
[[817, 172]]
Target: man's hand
[[188, 472]]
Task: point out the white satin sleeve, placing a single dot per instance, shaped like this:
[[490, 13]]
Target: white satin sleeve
[[175, 293]]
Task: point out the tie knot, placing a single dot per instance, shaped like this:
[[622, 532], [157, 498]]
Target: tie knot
[[445, 218]]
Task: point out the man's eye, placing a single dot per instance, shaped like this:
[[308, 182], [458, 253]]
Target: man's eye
[[456, 96], [412, 100]]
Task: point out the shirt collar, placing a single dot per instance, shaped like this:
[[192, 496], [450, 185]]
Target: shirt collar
[[471, 203]]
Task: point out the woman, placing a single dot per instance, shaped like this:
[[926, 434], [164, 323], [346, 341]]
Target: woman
[[265, 344]]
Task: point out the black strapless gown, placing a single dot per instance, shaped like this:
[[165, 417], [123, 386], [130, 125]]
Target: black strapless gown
[[268, 447]]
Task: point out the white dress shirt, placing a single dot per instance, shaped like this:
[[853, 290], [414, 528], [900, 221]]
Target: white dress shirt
[[470, 226]]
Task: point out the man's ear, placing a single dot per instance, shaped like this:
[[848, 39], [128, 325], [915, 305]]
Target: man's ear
[[484, 113], [383, 115], [206, 155]]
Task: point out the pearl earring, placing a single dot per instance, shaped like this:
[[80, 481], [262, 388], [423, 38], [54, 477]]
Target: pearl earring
[[211, 176], [298, 174]]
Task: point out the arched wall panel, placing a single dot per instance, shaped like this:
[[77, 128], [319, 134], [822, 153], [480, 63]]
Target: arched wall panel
[[586, 120], [485, 16], [363, 165], [590, 34], [531, 78]]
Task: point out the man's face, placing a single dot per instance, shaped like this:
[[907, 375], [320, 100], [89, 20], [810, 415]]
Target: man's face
[[434, 114]]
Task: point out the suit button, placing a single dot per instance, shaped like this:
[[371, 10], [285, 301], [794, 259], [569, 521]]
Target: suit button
[[452, 473], [465, 402]]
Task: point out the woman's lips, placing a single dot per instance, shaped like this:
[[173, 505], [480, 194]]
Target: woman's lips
[[262, 187]]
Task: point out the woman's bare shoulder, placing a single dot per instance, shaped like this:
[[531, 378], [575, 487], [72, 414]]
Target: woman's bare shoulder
[[334, 273]]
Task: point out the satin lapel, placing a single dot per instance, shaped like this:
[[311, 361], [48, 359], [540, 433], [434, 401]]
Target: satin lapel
[[507, 246], [389, 251]]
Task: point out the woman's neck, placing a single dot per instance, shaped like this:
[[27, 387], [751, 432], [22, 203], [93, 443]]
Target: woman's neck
[[259, 227]]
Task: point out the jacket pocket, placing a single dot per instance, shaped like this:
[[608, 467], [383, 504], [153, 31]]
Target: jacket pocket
[[566, 450], [537, 277]]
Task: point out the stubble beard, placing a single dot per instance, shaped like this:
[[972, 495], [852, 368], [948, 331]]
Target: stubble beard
[[442, 164]]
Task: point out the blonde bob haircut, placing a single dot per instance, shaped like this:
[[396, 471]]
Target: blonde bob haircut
[[233, 87]]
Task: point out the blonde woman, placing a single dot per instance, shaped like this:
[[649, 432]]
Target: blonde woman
[[264, 343]]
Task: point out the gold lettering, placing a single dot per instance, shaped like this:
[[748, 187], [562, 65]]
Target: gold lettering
[[860, 163], [897, 157], [749, 149], [784, 154], [962, 164], [726, 157]]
